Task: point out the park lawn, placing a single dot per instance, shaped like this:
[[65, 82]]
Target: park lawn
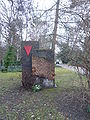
[[16, 103], [8, 80], [68, 80]]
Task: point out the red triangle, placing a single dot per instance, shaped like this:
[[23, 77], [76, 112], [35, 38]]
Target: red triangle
[[28, 49]]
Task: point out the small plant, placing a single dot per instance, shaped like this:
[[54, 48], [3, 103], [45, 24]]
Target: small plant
[[36, 88]]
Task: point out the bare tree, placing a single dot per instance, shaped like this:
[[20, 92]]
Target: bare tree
[[78, 34], [55, 25], [14, 21]]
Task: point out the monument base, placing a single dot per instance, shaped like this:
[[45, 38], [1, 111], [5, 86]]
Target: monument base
[[29, 80]]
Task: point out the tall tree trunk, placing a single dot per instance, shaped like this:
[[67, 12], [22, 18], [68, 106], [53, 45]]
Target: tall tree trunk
[[55, 31], [55, 25]]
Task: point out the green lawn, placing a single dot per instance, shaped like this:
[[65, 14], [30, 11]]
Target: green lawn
[[20, 104], [66, 79], [8, 80]]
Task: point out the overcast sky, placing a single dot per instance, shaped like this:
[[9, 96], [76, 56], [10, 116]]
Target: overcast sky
[[44, 4]]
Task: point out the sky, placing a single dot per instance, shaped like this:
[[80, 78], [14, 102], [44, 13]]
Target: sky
[[45, 4]]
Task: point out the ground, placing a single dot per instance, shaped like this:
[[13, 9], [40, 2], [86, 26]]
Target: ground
[[17, 103]]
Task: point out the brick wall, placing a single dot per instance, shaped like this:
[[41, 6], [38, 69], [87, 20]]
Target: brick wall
[[42, 68]]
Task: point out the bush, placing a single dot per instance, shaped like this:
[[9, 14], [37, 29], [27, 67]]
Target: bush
[[14, 68], [3, 69]]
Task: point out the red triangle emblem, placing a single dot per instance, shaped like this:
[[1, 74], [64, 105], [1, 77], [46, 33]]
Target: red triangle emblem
[[28, 49]]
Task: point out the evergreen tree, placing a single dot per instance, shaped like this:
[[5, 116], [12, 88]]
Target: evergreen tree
[[10, 57]]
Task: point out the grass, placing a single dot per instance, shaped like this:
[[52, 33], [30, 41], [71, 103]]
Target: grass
[[8, 80], [66, 79], [25, 105]]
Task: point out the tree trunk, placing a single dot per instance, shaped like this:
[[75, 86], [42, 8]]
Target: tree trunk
[[55, 32], [55, 25]]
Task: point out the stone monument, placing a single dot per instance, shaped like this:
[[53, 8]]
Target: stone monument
[[37, 65]]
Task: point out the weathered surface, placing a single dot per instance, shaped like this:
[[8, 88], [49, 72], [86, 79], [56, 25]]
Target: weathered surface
[[37, 66], [42, 67]]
